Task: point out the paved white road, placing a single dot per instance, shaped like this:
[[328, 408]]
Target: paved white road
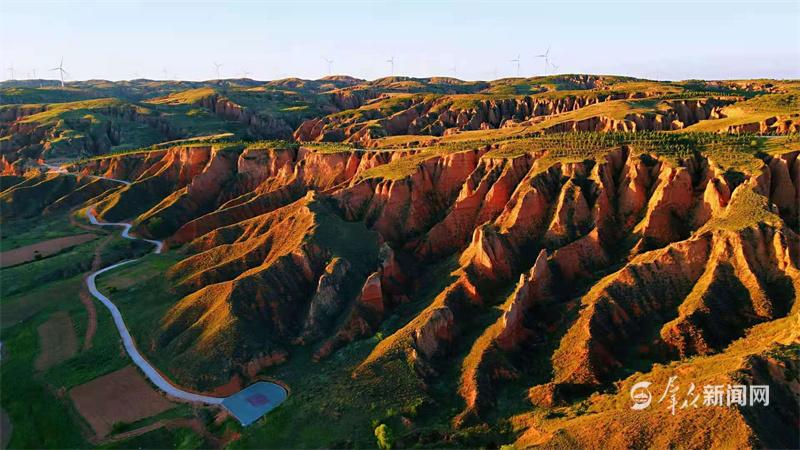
[[59, 169], [127, 340], [130, 347]]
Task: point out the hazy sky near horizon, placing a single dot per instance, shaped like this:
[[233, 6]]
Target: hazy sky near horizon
[[471, 40]]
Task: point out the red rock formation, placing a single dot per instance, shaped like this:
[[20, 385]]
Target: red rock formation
[[668, 209], [617, 308], [328, 300], [533, 286], [434, 333], [489, 255], [482, 198], [749, 269], [440, 117], [402, 208], [259, 125], [572, 215]]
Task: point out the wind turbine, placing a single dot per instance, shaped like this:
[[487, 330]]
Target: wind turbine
[[391, 62], [546, 56], [61, 70], [11, 70], [330, 64], [516, 60], [216, 67]]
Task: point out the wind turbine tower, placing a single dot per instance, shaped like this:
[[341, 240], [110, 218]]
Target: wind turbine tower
[[516, 60], [391, 63], [216, 68], [330, 64], [546, 56], [11, 71], [61, 70]]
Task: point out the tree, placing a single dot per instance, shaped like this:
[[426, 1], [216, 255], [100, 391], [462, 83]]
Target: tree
[[384, 435]]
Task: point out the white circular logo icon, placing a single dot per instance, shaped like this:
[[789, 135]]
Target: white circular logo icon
[[641, 395]]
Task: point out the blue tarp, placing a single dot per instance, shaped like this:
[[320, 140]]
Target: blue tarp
[[252, 402]]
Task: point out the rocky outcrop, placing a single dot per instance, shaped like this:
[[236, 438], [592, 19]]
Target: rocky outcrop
[[43, 194], [752, 270], [772, 125], [489, 255], [362, 320], [276, 273], [259, 125], [328, 300], [668, 209], [784, 189], [12, 113], [621, 306], [483, 197], [445, 115], [671, 115], [403, 208], [460, 264], [533, 286], [77, 135], [436, 332]]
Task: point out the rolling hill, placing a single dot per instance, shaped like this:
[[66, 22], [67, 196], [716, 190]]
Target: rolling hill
[[471, 264]]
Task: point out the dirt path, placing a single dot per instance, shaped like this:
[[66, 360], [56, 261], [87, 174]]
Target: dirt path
[[81, 225], [91, 317], [86, 298], [170, 424]]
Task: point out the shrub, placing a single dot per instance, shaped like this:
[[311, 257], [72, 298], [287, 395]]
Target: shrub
[[384, 436], [120, 427]]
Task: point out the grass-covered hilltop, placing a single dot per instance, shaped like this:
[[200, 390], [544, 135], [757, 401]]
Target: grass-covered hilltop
[[420, 262], [41, 119]]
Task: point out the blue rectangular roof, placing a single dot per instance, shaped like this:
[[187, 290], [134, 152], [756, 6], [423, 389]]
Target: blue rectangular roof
[[252, 402]]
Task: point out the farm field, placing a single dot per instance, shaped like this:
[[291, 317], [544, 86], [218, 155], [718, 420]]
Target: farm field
[[42, 249], [119, 397]]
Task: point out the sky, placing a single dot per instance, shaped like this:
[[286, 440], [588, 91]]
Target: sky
[[470, 40]]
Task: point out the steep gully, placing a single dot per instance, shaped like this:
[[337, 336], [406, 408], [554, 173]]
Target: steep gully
[[654, 199], [565, 212], [148, 369]]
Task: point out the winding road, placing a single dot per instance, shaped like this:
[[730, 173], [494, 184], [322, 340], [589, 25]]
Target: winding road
[[247, 405], [127, 340]]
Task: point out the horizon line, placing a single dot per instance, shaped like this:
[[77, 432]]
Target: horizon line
[[333, 77]]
